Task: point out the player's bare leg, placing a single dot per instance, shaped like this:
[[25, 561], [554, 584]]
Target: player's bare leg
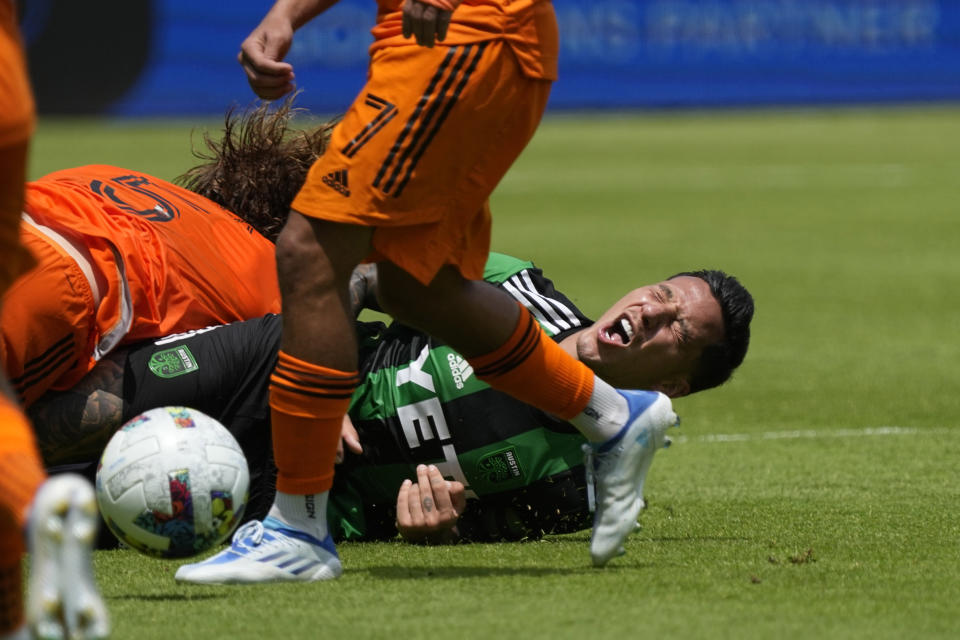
[[309, 395]]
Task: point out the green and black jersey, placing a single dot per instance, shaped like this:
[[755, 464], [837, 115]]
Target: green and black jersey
[[419, 403]]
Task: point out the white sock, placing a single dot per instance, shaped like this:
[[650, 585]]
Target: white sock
[[605, 415], [308, 513]]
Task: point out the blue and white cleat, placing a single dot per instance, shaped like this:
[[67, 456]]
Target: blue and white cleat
[[63, 600], [268, 551], [620, 467]]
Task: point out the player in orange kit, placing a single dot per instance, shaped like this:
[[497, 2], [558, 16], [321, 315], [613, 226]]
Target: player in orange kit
[[61, 512], [405, 183], [123, 256]]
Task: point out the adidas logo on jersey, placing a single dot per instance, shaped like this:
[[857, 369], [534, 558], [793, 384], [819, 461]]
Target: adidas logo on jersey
[[338, 180], [460, 369]]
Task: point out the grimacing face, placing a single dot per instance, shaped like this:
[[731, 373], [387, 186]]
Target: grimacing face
[[653, 336]]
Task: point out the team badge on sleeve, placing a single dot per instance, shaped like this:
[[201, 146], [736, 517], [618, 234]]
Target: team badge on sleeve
[[174, 362]]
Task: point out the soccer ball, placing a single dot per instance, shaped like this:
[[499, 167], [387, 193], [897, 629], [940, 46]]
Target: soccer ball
[[172, 482]]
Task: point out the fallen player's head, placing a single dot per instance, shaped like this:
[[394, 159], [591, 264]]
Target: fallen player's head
[[679, 336], [258, 164]]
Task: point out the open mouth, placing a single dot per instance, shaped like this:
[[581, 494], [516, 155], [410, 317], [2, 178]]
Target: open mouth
[[619, 332]]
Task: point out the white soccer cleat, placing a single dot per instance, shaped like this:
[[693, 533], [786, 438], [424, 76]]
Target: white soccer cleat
[[620, 467], [267, 551], [63, 600]]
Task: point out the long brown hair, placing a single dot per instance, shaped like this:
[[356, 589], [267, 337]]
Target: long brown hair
[[259, 163]]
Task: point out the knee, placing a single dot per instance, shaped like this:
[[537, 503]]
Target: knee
[[408, 300], [398, 293]]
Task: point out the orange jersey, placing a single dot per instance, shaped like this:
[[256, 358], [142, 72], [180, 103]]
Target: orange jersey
[[123, 257], [529, 27]]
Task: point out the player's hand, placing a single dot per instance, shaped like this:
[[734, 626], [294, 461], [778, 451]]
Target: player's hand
[[428, 509], [261, 56], [363, 289], [425, 22], [348, 438]]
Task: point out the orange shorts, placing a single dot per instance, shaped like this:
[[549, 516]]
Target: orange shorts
[[421, 149], [49, 320]]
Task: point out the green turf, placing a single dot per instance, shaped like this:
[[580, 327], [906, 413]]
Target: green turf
[[813, 497]]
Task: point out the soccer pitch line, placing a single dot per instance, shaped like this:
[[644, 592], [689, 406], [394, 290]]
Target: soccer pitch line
[[802, 434]]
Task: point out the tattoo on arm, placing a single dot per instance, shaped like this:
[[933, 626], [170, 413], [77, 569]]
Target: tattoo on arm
[[75, 425]]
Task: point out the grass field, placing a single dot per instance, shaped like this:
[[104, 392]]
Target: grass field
[[815, 496]]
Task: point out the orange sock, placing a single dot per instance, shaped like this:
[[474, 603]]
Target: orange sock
[[533, 368], [307, 404], [21, 471], [21, 474]]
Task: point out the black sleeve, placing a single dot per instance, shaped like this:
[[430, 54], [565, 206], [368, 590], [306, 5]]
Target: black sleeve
[[224, 372]]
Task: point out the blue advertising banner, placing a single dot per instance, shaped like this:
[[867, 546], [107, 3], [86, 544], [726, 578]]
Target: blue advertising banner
[[172, 57]]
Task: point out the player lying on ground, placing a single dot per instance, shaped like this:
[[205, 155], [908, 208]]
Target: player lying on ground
[[515, 471], [259, 149]]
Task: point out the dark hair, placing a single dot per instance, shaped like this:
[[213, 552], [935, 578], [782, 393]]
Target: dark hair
[[256, 168], [719, 359]]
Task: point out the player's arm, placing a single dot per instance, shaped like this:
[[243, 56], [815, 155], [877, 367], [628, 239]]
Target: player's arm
[[230, 367], [75, 425], [262, 52], [428, 509]]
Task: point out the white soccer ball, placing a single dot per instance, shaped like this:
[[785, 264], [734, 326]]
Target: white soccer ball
[[172, 482]]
